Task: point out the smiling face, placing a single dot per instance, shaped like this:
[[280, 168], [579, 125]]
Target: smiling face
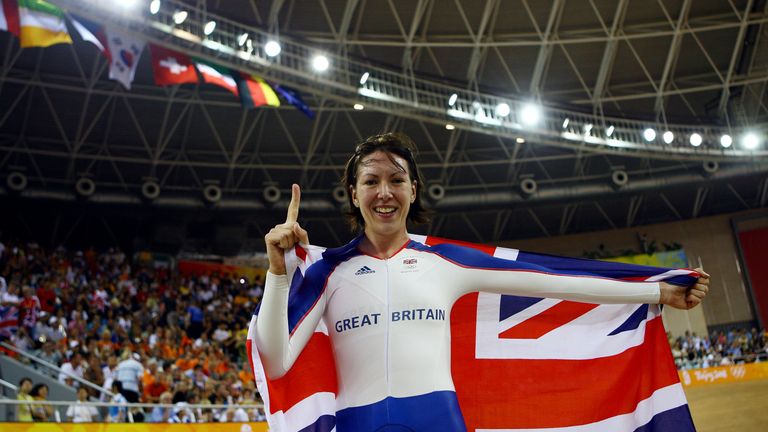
[[384, 192]]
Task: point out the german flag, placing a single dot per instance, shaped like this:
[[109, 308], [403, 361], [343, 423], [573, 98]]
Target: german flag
[[255, 92]]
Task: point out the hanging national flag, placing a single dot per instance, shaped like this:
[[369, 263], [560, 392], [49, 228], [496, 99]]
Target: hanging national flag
[[217, 75], [125, 52], [294, 98], [517, 363], [91, 32], [171, 67], [9, 16], [254, 91], [9, 320], [42, 24]]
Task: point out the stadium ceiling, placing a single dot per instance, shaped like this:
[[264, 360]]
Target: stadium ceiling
[[685, 66]]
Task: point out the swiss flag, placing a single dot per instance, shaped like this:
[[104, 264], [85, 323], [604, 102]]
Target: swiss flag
[[171, 67]]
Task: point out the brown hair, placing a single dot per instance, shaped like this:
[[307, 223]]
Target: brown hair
[[393, 144]]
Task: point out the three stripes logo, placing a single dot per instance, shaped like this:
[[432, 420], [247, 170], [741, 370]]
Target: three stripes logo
[[364, 270]]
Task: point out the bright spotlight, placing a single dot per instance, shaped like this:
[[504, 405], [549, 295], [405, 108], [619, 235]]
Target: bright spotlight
[[210, 26], [364, 78], [452, 99], [520, 140], [609, 131], [129, 4], [750, 141], [668, 137], [649, 134], [695, 139], [726, 141], [242, 281], [242, 39], [502, 110], [359, 107], [154, 7], [565, 122], [272, 48], [450, 126], [180, 16], [320, 63], [530, 114]]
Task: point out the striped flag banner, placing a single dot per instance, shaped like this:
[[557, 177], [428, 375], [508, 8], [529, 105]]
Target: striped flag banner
[[518, 363], [42, 24], [9, 17], [217, 75], [9, 321], [255, 92]]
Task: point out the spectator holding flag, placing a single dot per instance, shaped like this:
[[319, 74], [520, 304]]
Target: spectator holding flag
[[387, 299]]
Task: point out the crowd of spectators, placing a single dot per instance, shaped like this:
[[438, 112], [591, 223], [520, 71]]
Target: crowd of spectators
[[721, 348], [159, 336]]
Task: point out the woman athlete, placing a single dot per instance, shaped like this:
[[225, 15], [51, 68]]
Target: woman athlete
[[386, 300]]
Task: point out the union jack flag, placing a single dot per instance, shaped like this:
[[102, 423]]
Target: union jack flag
[[520, 363], [9, 321]]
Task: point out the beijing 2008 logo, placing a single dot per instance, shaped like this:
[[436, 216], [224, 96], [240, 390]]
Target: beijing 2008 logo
[[738, 372]]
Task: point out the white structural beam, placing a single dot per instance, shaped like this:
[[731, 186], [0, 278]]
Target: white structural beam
[[672, 55], [738, 49], [489, 12], [609, 55], [546, 48]]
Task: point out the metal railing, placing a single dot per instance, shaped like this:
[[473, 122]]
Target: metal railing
[[172, 413], [36, 361], [352, 81]]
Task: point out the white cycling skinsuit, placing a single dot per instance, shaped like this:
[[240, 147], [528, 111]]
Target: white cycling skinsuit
[[388, 321]]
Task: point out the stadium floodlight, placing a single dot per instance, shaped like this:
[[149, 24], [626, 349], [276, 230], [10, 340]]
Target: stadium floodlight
[[520, 140], [726, 140], [364, 78], [530, 114], [566, 122], [695, 139], [452, 100], [320, 63], [649, 134], [128, 4], [502, 109], [358, 107], [668, 137], [242, 39], [450, 126], [750, 141], [210, 26], [180, 16], [272, 48], [609, 131], [154, 7]]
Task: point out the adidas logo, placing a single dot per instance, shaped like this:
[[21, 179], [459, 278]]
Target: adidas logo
[[364, 270]]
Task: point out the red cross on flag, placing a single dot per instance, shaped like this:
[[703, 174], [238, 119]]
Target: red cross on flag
[[171, 67]]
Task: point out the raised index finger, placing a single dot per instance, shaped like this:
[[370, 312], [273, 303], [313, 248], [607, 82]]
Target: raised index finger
[[293, 207]]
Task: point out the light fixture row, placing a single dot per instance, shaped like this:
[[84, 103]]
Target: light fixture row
[[272, 48], [530, 114]]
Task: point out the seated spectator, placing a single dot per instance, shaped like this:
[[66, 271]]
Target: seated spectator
[[181, 414], [24, 411], [162, 414], [74, 367], [118, 411], [80, 413], [41, 412]]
